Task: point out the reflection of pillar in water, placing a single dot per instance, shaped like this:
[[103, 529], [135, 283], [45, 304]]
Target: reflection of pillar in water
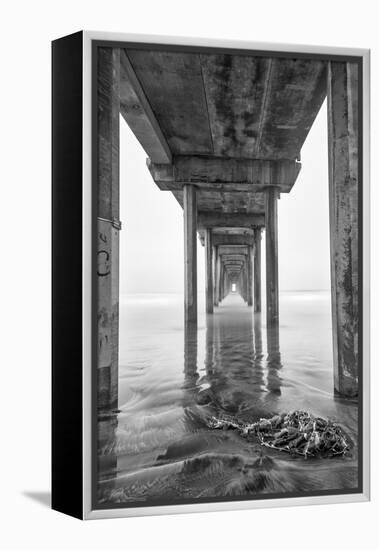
[[273, 360], [106, 454], [214, 355], [190, 368], [258, 337], [258, 349], [190, 356], [210, 348]]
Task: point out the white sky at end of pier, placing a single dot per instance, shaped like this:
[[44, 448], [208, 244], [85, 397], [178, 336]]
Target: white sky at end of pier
[[151, 241]]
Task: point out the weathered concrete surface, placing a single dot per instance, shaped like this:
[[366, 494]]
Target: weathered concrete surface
[[261, 107], [208, 272], [217, 278], [136, 110], [257, 271], [225, 203], [173, 84], [230, 236], [249, 261], [190, 254], [343, 201], [221, 174], [210, 220], [108, 227], [232, 106], [272, 279]]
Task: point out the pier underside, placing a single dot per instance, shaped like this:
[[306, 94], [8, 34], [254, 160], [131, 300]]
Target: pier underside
[[223, 132]]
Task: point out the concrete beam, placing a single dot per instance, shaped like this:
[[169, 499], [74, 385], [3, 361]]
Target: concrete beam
[[224, 237], [233, 263], [225, 174], [232, 240], [343, 131], [136, 110], [221, 219], [233, 231], [233, 249], [226, 257]]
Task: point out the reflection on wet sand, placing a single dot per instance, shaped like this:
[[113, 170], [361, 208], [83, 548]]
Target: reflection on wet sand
[[160, 445], [107, 453], [190, 356], [235, 362], [273, 361]]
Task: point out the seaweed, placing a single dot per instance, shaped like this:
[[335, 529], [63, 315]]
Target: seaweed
[[298, 433]]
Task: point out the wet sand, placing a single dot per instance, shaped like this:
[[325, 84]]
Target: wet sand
[[171, 381]]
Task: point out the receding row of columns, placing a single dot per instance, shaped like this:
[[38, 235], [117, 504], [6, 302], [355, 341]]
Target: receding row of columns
[[217, 280], [344, 179]]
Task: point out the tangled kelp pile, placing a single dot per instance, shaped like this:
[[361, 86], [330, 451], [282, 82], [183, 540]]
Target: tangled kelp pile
[[298, 433]]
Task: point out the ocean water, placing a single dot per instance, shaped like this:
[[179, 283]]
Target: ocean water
[[158, 448]]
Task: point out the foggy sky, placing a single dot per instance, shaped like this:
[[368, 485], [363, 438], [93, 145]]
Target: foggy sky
[[151, 241]]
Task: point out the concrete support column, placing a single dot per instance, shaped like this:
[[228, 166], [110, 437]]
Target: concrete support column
[[246, 275], [272, 280], [343, 110], [190, 253], [244, 282], [257, 271], [220, 280], [208, 271], [225, 285], [249, 260], [217, 278], [108, 226], [240, 290], [214, 273]]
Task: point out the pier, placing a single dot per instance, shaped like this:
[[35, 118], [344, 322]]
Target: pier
[[223, 133]]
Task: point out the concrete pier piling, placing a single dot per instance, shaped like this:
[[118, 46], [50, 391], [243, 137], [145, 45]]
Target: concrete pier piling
[[190, 254], [249, 260], [272, 275], [257, 271], [208, 271], [342, 93], [108, 226]]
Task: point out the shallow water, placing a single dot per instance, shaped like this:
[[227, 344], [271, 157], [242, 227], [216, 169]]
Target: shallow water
[[159, 447]]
